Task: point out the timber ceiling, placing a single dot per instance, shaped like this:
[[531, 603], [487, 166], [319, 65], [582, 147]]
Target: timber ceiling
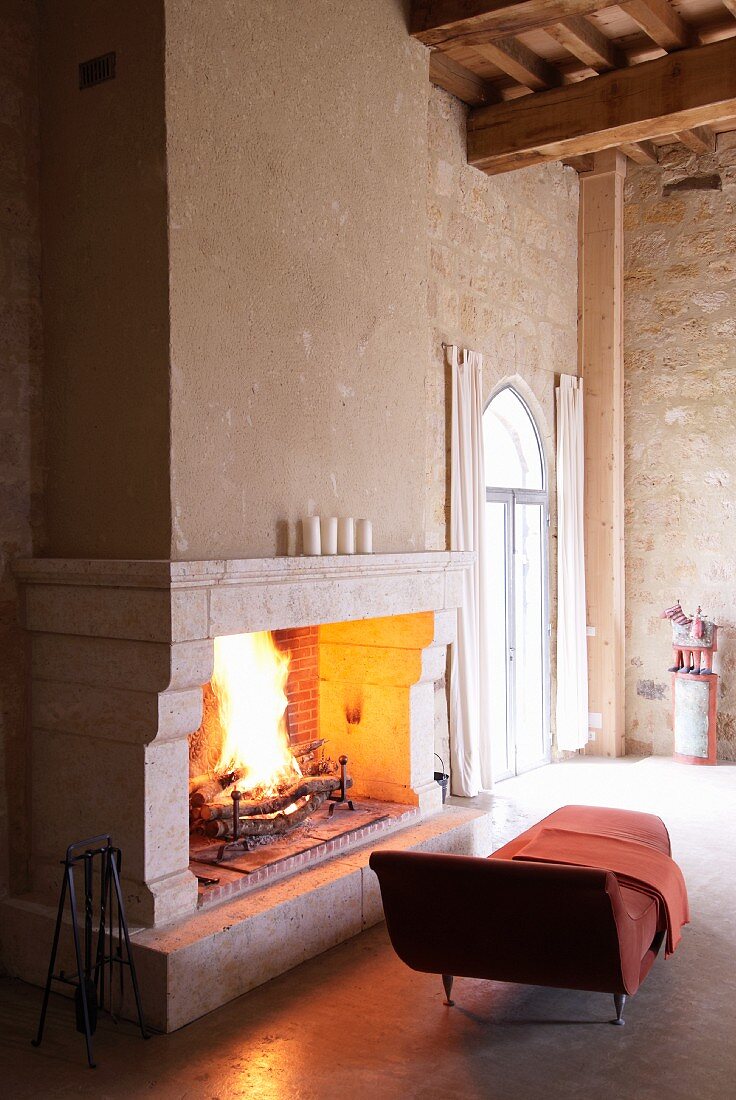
[[563, 79]]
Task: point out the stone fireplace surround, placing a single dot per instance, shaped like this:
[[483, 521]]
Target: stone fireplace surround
[[121, 650]]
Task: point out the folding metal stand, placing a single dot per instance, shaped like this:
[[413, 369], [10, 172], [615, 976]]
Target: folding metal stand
[[89, 980]]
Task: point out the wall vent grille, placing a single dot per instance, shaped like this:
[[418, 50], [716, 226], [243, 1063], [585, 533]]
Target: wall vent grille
[[96, 70]]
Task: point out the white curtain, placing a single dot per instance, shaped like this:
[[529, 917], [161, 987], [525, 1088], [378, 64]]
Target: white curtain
[[572, 655], [470, 746]]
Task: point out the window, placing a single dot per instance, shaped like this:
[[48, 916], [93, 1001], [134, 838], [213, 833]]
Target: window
[[513, 454], [516, 526]]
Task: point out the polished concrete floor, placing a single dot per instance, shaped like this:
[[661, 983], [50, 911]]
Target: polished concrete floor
[[356, 1023]]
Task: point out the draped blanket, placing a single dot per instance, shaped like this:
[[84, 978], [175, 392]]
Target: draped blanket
[[635, 865]]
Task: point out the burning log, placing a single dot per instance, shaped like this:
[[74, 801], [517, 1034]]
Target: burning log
[[212, 789], [204, 788], [300, 750], [197, 781], [318, 784], [267, 824]]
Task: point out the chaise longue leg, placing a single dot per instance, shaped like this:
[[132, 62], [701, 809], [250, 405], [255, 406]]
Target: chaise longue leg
[[619, 1000], [447, 980]]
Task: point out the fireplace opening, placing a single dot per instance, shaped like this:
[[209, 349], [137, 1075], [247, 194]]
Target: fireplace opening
[[269, 789]]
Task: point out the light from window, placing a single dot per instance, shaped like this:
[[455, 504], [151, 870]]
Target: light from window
[[511, 445]]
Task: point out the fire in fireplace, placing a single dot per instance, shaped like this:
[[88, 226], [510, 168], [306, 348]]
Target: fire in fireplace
[[251, 780]]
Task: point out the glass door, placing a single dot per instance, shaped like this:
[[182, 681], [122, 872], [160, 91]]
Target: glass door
[[531, 631], [516, 527], [517, 671], [498, 528]]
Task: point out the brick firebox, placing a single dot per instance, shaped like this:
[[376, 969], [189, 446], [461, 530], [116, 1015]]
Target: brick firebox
[[302, 687]]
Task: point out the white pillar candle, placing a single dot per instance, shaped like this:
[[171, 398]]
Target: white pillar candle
[[328, 530], [310, 535], [363, 536], [345, 535]]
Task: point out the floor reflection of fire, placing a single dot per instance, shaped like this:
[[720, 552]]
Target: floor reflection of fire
[[248, 782]]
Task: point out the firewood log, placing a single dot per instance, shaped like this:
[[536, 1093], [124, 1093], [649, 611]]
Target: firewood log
[[197, 781], [308, 784], [266, 824], [301, 749], [206, 793]]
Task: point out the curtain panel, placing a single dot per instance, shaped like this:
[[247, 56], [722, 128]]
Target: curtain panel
[[572, 648], [470, 743]]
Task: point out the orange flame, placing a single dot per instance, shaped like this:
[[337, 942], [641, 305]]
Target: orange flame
[[249, 683]]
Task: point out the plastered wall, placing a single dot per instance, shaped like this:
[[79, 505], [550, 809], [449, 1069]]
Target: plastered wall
[[20, 412], [680, 410], [105, 282], [503, 280], [296, 171]]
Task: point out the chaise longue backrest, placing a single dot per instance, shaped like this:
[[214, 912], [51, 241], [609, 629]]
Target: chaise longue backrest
[[535, 923]]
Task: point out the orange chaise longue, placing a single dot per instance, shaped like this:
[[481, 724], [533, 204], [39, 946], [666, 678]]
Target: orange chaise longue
[[582, 900]]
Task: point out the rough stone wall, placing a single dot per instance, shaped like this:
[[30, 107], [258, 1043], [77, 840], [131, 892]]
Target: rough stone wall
[[680, 411], [502, 280], [20, 419]]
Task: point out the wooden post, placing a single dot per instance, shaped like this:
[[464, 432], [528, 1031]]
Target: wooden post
[[600, 343]]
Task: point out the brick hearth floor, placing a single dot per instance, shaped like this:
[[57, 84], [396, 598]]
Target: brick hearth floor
[[319, 839], [357, 1023]]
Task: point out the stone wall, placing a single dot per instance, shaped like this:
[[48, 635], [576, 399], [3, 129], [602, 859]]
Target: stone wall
[[680, 410], [20, 420], [502, 280]]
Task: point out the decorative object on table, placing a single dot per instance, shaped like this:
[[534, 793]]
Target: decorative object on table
[[694, 686], [109, 951], [328, 532], [311, 541], [694, 641], [346, 535], [363, 536]]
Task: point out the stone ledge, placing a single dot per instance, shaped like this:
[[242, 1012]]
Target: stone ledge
[[192, 966], [191, 574]]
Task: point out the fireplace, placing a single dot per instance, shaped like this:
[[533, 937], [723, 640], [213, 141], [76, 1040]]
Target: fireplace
[[253, 774], [127, 666], [271, 786], [263, 786]]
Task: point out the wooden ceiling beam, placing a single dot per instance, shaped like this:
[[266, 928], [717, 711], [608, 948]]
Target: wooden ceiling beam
[[580, 164], [669, 95], [588, 44], [441, 22], [461, 82], [659, 20], [641, 152], [700, 140], [520, 63]]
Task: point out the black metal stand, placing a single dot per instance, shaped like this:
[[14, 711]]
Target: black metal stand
[[341, 799], [88, 980]]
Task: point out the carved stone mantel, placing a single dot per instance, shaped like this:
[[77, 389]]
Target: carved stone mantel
[[121, 650]]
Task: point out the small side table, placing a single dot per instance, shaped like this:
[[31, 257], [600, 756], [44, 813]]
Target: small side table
[[694, 704]]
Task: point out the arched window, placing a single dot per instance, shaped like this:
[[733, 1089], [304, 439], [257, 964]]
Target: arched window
[[516, 527], [513, 453]]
